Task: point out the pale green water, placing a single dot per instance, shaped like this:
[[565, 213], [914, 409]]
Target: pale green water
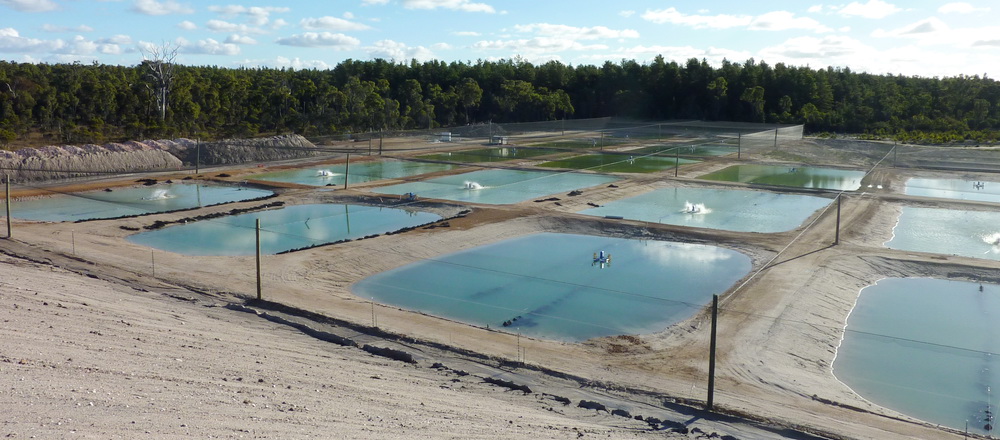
[[130, 201], [926, 348], [499, 186], [495, 154], [954, 189], [799, 177], [686, 150], [617, 163], [551, 282], [731, 210], [291, 227], [358, 172], [946, 231]]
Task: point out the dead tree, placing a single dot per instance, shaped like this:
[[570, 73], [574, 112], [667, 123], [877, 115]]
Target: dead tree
[[159, 66]]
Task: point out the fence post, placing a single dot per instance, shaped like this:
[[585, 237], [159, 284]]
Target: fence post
[[677, 159], [711, 355], [6, 179], [258, 260], [836, 239], [347, 170]]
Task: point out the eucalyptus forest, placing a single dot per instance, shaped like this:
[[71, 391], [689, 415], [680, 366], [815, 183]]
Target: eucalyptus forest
[[94, 103]]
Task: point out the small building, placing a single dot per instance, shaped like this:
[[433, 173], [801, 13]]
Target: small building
[[444, 136], [498, 140]]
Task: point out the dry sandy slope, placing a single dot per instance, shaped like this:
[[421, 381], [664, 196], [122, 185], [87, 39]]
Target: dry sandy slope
[[81, 357]]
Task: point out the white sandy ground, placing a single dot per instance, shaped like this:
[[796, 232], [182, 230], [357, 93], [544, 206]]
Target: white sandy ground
[[101, 355]]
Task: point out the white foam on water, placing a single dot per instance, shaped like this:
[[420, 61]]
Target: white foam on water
[[695, 208], [159, 194]]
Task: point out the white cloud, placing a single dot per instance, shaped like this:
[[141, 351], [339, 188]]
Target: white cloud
[[207, 46], [297, 63], [333, 24], [466, 34], [12, 41], [575, 33], [398, 52], [770, 21], [815, 9], [348, 15], [153, 7], [119, 39], [441, 46], [458, 5], [673, 16], [240, 39], [784, 20], [960, 8], [873, 9], [187, 25], [54, 28], [536, 45], [58, 50], [255, 15], [626, 14], [225, 26], [30, 5], [813, 50], [320, 39], [373, 2]]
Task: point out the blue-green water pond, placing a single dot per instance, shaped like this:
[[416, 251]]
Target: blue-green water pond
[[973, 234], [954, 189], [123, 202], [927, 348], [359, 172], [793, 176], [731, 210], [291, 227], [550, 285], [498, 186]]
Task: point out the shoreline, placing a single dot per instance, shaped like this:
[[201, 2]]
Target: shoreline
[[780, 372]]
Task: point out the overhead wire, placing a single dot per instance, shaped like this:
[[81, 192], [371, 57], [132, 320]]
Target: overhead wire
[[694, 306]]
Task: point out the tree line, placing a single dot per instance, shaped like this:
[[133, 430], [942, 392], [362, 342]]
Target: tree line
[[92, 103]]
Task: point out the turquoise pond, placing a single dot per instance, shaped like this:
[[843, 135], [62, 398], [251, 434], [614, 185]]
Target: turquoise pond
[[959, 189], [730, 210], [793, 176], [291, 227], [360, 172], [927, 348], [498, 186], [973, 234], [549, 285], [123, 202]]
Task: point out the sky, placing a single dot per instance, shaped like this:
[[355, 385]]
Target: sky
[[912, 37]]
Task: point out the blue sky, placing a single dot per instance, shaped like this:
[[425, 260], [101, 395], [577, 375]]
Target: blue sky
[[915, 37]]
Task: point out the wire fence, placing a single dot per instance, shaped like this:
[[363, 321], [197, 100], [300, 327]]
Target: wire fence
[[605, 135]]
